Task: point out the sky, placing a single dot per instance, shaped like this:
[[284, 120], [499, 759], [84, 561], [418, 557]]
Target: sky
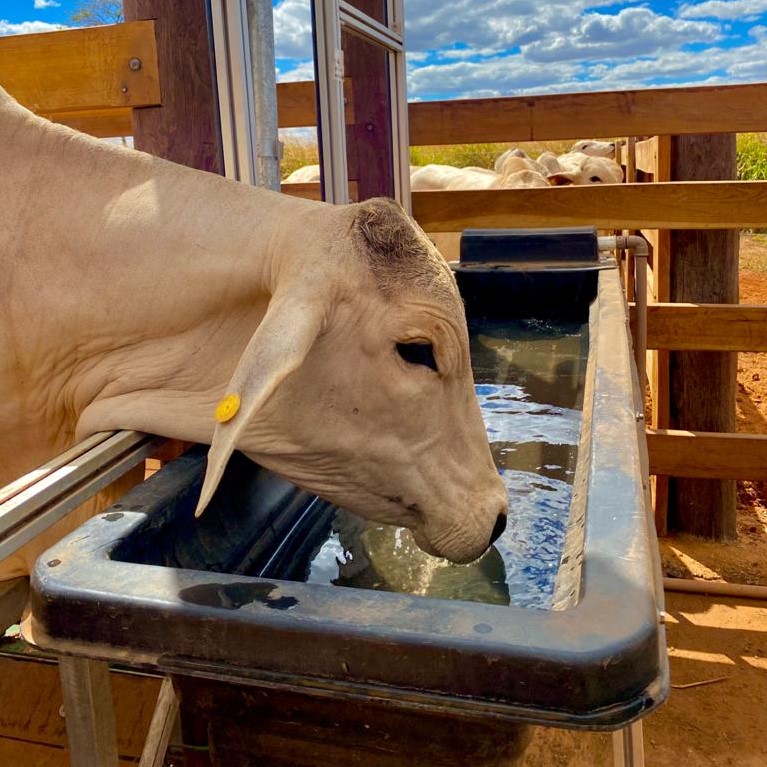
[[485, 48]]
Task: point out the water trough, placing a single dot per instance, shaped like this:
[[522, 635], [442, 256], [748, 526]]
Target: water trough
[[289, 624]]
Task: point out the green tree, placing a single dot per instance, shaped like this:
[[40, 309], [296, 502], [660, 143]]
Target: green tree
[[92, 13]]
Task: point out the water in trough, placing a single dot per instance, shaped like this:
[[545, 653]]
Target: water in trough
[[529, 381]]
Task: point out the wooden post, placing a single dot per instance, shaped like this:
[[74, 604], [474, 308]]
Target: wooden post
[[185, 128], [704, 269], [88, 712]]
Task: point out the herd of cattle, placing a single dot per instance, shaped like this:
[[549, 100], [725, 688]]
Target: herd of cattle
[[587, 162]]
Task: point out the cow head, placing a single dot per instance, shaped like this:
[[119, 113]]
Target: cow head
[[357, 386], [588, 170]]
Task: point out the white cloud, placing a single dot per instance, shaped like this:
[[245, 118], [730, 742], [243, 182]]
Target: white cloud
[[723, 9], [632, 32], [473, 48], [27, 27], [504, 75], [494, 24], [301, 70], [293, 29], [40, 4]]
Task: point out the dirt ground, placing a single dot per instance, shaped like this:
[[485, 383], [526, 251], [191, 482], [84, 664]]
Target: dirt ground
[[719, 642]]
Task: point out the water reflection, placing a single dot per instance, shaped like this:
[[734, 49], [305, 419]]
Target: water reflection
[[529, 377]]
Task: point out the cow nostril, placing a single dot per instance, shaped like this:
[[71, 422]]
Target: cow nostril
[[500, 526]]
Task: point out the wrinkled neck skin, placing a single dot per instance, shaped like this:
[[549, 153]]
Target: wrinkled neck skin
[[123, 273]]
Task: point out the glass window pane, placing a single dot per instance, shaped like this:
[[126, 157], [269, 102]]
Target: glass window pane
[[368, 131]]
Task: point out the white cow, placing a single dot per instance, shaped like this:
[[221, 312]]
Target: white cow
[[580, 169], [501, 159], [446, 177], [595, 148], [329, 341], [308, 174]]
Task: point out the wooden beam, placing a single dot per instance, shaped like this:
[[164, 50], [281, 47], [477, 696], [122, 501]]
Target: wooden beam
[[161, 727], [30, 701], [313, 191], [647, 155], [707, 455], [296, 105], [706, 327], [701, 205], [102, 123], [80, 69], [88, 711], [732, 108]]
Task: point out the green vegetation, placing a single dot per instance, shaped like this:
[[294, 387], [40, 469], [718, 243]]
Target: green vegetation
[[92, 13], [752, 156]]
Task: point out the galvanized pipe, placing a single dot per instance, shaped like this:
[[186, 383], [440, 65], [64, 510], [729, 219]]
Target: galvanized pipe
[[638, 246], [264, 83]]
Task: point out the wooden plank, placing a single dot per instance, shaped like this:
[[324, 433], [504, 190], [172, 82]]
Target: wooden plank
[[23, 752], [161, 727], [707, 455], [297, 106], [30, 700], [706, 109], [314, 191], [89, 712], [675, 205], [82, 68], [663, 159], [706, 327], [102, 123], [647, 155]]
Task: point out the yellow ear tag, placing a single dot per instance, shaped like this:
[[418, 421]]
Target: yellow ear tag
[[227, 408]]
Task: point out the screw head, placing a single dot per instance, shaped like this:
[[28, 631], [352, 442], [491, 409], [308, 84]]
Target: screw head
[[134, 64]]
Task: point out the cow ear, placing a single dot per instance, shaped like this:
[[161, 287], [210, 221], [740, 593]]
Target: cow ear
[[560, 179], [277, 348]]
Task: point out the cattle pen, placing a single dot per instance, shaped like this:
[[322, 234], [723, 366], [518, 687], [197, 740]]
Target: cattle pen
[[123, 79]]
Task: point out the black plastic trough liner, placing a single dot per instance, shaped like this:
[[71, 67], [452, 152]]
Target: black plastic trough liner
[[146, 584]]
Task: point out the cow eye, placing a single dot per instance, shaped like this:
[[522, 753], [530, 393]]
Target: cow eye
[[418, 354], [595, 180]]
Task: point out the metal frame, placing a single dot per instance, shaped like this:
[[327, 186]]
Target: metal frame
[[243, 45], [34, 502], [330, 16]]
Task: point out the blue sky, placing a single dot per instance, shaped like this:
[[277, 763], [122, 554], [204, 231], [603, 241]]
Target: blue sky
[[473, 48]]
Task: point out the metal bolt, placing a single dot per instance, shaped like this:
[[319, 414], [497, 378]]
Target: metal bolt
[[124, 89], [369, 127], [640, 416], [134, 64]]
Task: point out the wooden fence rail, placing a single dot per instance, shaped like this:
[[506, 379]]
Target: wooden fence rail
[[707, 455], [706, 327], [683, 205], [82, 69]]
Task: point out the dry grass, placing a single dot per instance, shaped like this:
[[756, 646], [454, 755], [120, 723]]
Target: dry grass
[[753, 252], [297, 153]]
